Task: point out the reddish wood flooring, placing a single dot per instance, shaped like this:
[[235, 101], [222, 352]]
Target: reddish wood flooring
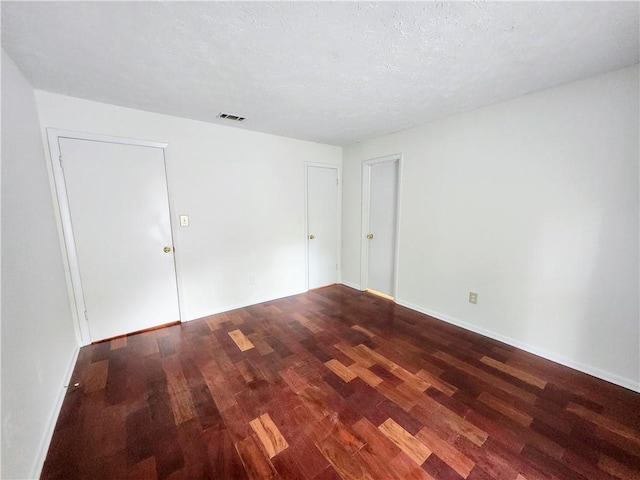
[[334, 384]]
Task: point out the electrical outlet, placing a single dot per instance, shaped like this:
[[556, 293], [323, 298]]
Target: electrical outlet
[[473, 297]]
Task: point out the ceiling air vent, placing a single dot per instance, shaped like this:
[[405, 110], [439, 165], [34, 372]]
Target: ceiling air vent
[[228, 116]]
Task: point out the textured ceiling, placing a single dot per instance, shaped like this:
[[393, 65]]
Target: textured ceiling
[[330, 72]]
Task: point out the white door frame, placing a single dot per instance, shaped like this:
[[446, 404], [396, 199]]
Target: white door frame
[[338, 170], [70, 257], [366, 192]]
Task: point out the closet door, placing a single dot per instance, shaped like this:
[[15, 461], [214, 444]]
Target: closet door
[[322, 225], [381, 235]]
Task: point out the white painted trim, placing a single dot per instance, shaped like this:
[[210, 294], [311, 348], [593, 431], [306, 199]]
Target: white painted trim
[[366, 192], [71, 266], [567, 362], [338, 170], [228, 308], [175, 236], [45, 441], [351, 285], [72, 269], [103, 138]]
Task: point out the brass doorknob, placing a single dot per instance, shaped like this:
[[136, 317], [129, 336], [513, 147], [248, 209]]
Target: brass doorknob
[[370, 236], [311, 237], [166, 249]]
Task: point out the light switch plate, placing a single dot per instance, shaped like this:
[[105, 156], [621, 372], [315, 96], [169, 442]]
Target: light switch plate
[[473, 297], [184, 220]]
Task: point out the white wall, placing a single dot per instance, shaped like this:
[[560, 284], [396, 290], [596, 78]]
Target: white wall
[[243, 191], [532, 203], [38, 340]]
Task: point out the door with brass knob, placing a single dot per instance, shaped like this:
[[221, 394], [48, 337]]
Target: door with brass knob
[[322, 225], [381, 202], [116, 194]]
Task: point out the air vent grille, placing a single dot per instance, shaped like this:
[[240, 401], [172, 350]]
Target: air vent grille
[[228, 116]]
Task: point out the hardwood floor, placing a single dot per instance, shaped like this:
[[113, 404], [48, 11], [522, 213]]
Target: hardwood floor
[[333, 384]]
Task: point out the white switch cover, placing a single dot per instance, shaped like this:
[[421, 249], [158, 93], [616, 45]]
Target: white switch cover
[[184, 220]]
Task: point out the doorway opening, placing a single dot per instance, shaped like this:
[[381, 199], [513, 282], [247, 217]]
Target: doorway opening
[[114, 205]]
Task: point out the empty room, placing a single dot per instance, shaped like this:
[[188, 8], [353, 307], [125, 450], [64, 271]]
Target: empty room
[[320, 240]]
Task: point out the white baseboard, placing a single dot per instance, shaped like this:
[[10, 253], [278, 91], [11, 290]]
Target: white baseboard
[[554, 357], [43, 448], [228, 308], [351, 285]]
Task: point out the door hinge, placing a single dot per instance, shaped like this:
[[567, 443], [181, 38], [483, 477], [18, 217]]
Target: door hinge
[[337, 182], [60, 160], [86, 317]]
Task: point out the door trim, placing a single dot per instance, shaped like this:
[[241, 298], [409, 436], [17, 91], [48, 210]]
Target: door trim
[[364, 244], [69, 254], [338, 170]]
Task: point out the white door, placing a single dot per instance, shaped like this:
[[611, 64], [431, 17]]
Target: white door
[[118, 204], [383, 200], [322, 228]]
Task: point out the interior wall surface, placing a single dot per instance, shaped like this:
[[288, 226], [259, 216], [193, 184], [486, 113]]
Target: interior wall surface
[[533, 204], [39, 344], [243, 191]]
